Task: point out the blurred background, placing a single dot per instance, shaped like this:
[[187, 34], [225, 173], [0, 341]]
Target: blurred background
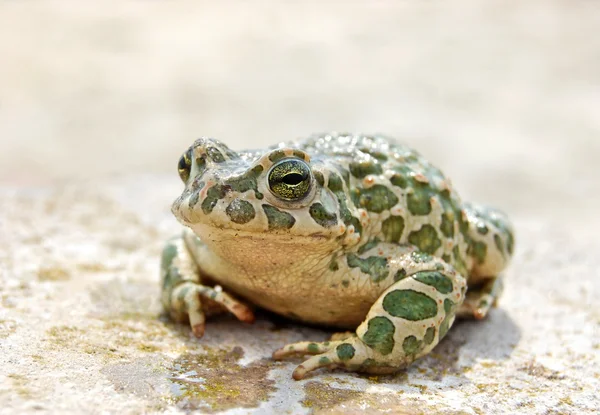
[[503, 95]]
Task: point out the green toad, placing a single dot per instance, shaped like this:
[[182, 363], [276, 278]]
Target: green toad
[[351, 231]]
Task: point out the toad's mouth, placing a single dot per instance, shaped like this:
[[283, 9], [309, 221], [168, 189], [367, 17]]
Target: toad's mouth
[[217, 232]]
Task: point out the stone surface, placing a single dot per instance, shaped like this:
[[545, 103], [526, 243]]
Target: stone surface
[[98, 101]]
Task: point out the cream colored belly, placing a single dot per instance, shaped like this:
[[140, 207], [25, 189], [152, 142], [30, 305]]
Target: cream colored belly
[[313, 303]]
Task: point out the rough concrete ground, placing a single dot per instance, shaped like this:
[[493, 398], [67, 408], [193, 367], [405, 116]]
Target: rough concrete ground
[[97, 101]]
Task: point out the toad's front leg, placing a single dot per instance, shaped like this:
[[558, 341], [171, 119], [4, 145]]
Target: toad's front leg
[[406, 322], [184, 296]]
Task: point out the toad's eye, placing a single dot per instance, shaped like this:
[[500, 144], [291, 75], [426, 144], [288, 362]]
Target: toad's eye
[[290, 179], [185, 166]]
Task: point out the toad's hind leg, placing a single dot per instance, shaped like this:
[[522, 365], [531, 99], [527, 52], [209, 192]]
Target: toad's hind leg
[[406, 322], [183, 295], [491, 241]]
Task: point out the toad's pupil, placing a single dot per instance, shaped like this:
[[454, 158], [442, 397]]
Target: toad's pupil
[[293, 179]]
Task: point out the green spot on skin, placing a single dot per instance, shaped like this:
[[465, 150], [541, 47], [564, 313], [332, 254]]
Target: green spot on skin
[[420, 257], [278, 219], [336, 186], [335, 183], [459, 263], [392, 228], [380, 335], [240, 211], [369, 245], [215, 155], [276, 155], [400, 275], [509, 242], [375, 199], [436, 280], [313, 348], [333, 265], [298, 153], [419, 202], [411, 345], [369, 362], [212, 197], [345, 351], [345, 175], [447, 226], [410, 305], [194, 199], [360, 169], [374, 153], [319, 177], [429, 335], [375, 266], [449, 310], [482, 229], [246, 181], [463, 226], [168, 254], [399, 180], [324, 360], [322, 216], [357, 225], [478, 250], [345, 283], [426, 239], [499, 245]]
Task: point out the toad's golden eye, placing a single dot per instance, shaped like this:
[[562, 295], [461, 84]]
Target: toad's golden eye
[[185, 166], [290, 179]]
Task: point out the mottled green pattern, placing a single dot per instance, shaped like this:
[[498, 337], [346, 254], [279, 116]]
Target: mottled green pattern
[[392, 228], [410, 305], [276, 155], [212, 197], [360, 169], [449, 310], [411, 345], [375, 266], [380, 334], [335, 184], [429, 335], [278, 220], [447, 225], [240, 211], [313, 348], [324, 218], [345, 351], [400, 275], [375, 199], [419, 201], [426, 239], [435, 279], [369, 245], [478, 250]]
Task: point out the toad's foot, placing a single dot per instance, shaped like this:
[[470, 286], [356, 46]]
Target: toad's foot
[[480, 300], [195, 300], [406, 322], [184, 297]]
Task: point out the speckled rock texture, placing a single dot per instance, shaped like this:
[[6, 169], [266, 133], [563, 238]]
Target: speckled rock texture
[[98, 101]]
